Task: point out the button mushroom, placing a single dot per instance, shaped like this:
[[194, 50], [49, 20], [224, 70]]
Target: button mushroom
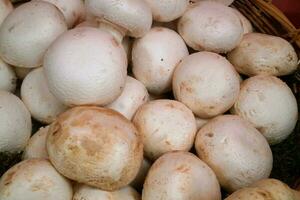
[[8, 78]]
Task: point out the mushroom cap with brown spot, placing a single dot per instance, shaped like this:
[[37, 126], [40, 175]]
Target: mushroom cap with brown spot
[[34, 179], [180, 175], [95, 146]]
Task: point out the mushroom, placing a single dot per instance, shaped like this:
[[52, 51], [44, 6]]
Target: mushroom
[[95, 146], [207, 83], [250, 194], [235, 150], [133, 96], [21, 43], [155, 56], [86, 66], [34, 179], [166, 11], [247, 26], [5, 8], [139, 180], [36, 146], [8, 79], [73, 10], [211, 26], [85, 192], [165, 125], [41, 103], [225, 2], [180, 175], [124, 17], [269, 104], [22, 72], [15, 124], [264, 54]]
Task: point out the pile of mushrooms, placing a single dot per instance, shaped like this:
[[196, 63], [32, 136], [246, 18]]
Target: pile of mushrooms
[[141, 100]]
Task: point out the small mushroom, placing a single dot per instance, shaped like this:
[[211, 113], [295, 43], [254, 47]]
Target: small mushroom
[[155, 56], [5, 8], [41, 103], [180, 175], [95, 146], [211, 26], [8, 78], [36, 146], [207, 83], [22, 44], [34, 179], [139, 180], [133, 96], [235, 150], [269, 104], [86, 66], [165, 125]]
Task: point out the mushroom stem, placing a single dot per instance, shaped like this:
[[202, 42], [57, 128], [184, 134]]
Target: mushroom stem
[[116, 31]]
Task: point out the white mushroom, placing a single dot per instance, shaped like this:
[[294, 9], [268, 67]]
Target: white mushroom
[[15, 123], [84, 192], [41, 103], [264, 54], [269, 104], [22, 72], [211, 26], [141, 176], [133, 96], [155, 56], [235, 150], [95, 146], [166, 11], [86, 66], [207, 83], [165, 125], [247, 26], [73, 10], [5, 8], [36, 146], [8, 79], [34, 179], [22, 44], [181, 175]]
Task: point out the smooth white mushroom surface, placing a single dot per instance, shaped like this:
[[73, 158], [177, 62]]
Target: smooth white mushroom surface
[[133, 96], [211, 26], [235, 150], [269, 104], [139, 180], [180, 175], [15, 123], [166, 11], [36, 146], [155, 56], [41, 103], [86, 66], [165, 126], [247, 26], [5, 8], [225, 2], [95, 146], [207, 83], [22, 44], [34, 179], [8, 78], [264, 54], [73, 10], [22, 72]]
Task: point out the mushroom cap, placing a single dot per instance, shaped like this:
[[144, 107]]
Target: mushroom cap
[[250, 194], [180, 175], [132, 15], [34, 179], [247, 26], [86, 66], [211, 26], [132, 97], [165, 125], [41, 103], [8, 78], [155, 56], [207, 83], [235, 150], [36, 146], [139, 180], [270, 105], [73, 10], [225, 2], [5, 8], [101, 137], [15, 123], [264, 54], [21, 43], [166, 11]]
